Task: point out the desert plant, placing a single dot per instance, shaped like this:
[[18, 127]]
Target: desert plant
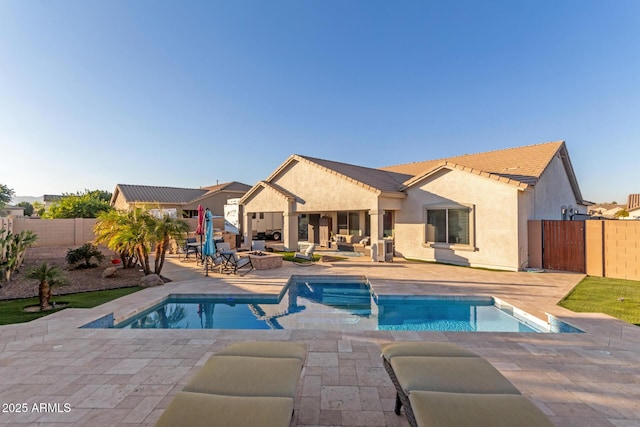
[[48, 276], [12, 251], [84, 253]]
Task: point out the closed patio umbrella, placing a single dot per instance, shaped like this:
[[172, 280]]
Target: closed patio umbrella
[[209, 248], [200, 228]]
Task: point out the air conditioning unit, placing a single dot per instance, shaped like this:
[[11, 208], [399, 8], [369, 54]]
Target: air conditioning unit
[[383, 251]]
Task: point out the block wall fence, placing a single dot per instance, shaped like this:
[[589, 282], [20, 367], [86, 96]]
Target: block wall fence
[[78, 231], [611, 248]]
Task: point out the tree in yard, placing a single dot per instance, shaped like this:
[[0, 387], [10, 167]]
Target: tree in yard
[[28, 208], [132, 235], [6, 194], [165, 230], [47, 276], [80, 205], [109, 229], [38, 208], [623, 213]]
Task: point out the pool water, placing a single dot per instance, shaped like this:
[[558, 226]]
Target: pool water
[[331, 306]]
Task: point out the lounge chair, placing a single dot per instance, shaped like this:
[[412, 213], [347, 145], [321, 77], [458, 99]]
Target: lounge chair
[[475, 410], [244, 384], [456, 375], [307, 254]]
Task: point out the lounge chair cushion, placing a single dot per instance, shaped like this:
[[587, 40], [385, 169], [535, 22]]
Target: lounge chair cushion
[[200, 410], [450, 374], [475, 410], [265, 349], [427, 349], [247, 376]]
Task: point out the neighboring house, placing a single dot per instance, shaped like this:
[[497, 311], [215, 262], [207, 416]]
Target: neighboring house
[[605, 210], [633, 206], [184, 201], [467, 210], [50, 199], [12, 211]]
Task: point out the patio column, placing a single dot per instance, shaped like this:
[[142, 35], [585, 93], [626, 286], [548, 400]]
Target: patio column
[[290, 231], [247, 233], [377, 225]]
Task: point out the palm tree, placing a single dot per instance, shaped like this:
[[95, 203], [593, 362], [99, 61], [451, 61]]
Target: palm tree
[[109, 229], [166, 229], [129, 233], [133, 233], [48, 276]]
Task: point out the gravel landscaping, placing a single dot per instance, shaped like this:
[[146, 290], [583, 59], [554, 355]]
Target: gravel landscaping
[[79, 280]]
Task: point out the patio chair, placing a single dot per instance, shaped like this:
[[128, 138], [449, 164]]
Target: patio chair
[[190, 247], [307, 254], [215, 262], [258, 245], [244, 384], [233, 262]]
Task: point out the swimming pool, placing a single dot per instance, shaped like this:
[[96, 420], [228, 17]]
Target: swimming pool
[[336, 306]]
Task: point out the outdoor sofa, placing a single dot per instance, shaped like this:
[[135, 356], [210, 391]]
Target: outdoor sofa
[[443, 384], [244, 384]]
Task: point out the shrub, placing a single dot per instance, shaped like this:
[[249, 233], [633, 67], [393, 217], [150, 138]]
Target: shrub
[[84, 253]]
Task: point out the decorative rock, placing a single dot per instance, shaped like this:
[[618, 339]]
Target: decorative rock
[[109, 272], [151, 280]]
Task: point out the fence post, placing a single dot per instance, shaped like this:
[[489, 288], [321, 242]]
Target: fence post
[[594, 247], [535, 243]]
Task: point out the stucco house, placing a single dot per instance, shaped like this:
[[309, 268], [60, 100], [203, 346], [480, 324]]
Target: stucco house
[[633, 206], [467, 210], [184, 201]]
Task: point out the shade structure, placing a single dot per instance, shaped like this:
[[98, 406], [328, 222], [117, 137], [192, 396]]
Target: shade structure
[[209, 247], [200, 229]]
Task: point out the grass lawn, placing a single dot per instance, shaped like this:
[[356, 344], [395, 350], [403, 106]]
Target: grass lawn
[[288, 256], [12, 311], [615, 297]]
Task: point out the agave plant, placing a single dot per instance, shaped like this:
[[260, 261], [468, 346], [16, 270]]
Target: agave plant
[[48, 276]]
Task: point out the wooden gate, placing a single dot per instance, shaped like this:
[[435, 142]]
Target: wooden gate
[[563, 246]]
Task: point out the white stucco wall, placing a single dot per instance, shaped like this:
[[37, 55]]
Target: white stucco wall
[[496, 220], [551, 192], [320, 190], [545, 201]]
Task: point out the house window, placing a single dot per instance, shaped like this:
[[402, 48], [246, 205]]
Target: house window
[[451, 225]]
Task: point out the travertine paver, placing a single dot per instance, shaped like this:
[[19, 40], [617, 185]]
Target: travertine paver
[[113, 377]]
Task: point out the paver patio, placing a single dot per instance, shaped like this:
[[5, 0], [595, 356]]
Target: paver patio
[[127, 377]]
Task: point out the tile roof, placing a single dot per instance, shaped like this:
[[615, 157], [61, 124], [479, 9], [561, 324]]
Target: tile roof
[[522, 164], [383, 180]]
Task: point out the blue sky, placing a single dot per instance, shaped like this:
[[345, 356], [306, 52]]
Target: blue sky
[[187, 93]]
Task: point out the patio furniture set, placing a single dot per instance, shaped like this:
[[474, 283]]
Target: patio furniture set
[[438, 384]]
